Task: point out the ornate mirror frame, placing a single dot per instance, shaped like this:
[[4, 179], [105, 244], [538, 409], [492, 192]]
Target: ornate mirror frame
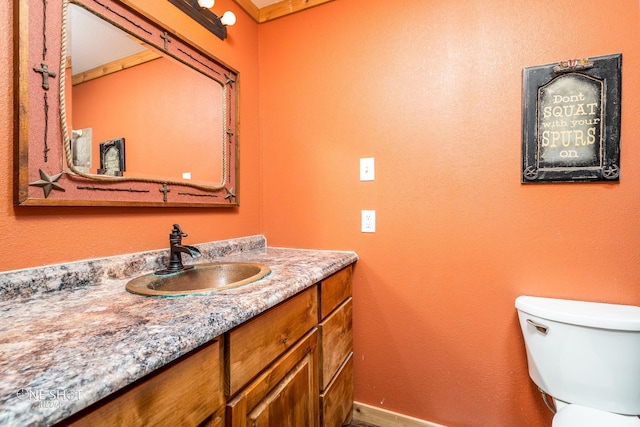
[[44, 172]]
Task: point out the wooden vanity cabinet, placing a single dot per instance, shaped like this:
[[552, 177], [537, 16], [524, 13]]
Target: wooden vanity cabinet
[[277, 379], [291, 366], [336, 348], [187, 392]]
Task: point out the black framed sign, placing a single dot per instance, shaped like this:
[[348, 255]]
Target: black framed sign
[[112, 157], [571, 121]]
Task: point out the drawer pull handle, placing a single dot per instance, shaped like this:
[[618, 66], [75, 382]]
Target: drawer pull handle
[[544, 330]]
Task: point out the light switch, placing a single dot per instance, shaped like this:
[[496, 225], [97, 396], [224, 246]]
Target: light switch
[[367, 169]]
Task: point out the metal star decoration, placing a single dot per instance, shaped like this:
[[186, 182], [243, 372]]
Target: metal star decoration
[[229, 195], [230, 80], [48, 183]]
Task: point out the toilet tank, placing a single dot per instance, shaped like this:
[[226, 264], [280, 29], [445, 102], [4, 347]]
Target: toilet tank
[[583, 352]]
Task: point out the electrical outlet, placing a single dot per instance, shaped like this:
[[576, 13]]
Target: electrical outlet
[[367, 169], [368, 221]]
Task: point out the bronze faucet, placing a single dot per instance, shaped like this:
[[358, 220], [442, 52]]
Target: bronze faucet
[[177, 249]]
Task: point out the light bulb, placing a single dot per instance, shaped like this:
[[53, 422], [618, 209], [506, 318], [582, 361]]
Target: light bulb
[[206, 4], [228, 18]]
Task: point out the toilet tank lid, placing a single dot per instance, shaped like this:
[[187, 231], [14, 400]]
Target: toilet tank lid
[[583, 313]]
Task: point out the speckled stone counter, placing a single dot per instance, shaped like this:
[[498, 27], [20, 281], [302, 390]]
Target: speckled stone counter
[[71, 334]]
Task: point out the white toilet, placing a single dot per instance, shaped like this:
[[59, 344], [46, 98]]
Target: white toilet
[[586, 356]]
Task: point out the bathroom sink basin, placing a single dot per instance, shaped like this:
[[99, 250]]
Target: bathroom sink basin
[[201, 279]]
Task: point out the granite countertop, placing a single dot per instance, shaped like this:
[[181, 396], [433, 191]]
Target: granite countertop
[[71, 334]]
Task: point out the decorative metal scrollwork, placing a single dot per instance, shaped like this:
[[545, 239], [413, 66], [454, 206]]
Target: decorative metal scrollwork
[[572, 65]]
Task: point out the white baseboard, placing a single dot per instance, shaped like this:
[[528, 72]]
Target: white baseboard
[[383, 418]]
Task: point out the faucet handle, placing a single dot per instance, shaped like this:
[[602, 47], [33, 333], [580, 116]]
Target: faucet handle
[[177, 232]]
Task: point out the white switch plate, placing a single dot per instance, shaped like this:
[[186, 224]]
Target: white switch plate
[[367, 169], [368, 221]]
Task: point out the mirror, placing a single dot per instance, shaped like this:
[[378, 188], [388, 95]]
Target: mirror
[[115, 110], [110, 70]]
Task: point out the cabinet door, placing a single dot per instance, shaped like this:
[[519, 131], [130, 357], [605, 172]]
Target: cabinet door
[[185, 392], [285, 394]]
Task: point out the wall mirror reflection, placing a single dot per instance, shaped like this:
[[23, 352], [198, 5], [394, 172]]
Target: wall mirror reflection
[[144, 117]]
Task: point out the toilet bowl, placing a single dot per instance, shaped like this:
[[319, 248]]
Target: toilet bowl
[[586, 356]]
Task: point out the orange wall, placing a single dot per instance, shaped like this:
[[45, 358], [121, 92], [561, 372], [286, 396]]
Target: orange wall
[[137, 102], [432, 90], [33, 236]]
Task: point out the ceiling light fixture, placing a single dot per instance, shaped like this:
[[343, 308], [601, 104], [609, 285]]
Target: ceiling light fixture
[[200, 11]]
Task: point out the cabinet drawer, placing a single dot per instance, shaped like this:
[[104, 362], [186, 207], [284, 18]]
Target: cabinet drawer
[[333, 290], [254, 345], [336, 341], [336, 402], [185, 393]]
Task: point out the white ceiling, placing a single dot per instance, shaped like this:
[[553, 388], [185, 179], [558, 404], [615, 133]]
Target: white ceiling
[[114, 43]]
